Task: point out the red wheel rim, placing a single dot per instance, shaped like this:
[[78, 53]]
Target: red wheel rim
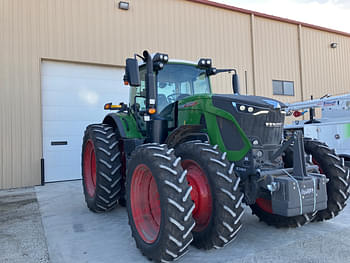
[[264, 204], [316, 163], [200, 194], [90, 168], [145, 204]]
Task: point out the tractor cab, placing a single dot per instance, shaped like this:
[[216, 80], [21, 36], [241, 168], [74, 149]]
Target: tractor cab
[[157, 85], [175, 81]]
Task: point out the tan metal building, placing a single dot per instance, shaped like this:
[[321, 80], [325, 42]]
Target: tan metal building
[[49, 47]]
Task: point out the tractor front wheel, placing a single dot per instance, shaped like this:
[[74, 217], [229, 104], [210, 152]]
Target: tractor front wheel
[[159, 203], [215, 192]]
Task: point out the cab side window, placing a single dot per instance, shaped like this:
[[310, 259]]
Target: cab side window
[[185, 88], [200, 85], [138, 94]]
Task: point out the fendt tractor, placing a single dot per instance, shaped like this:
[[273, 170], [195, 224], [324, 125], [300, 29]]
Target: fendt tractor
[[183, 160]]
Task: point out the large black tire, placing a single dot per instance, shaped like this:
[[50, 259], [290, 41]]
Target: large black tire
[[347, 164], [333, 167], [281, 221], [103, 193], [161, 225], [346, 161], [224, 221], [263, 209]]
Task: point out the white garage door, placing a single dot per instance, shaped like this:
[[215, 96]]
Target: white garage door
[[73, 96]]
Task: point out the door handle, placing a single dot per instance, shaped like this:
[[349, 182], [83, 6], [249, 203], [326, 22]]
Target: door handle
[[56, 143]]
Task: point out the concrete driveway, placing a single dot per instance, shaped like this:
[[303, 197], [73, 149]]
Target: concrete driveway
[[74, 234]]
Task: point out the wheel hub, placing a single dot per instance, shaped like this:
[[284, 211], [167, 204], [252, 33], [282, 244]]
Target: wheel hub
[[145, 203], [90, 168], [200, 194]]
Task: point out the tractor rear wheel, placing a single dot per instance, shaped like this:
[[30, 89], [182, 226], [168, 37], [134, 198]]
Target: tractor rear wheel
[[215, 192], [333, 167], [101, 168], [158, 203]]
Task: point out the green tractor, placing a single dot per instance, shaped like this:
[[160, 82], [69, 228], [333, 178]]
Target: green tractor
[[183, 160]]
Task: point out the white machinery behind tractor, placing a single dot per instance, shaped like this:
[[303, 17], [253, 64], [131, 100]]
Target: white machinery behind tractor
[[333, 127]]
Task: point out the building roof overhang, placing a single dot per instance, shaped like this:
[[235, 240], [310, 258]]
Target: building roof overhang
[[276, 18]]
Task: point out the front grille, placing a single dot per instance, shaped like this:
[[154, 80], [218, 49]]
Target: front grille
[[255, 126]]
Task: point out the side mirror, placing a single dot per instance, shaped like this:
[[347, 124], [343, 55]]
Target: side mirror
[[132, 74], [235, 83]]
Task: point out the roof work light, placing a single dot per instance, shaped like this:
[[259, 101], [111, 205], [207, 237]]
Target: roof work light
[[204, 63]]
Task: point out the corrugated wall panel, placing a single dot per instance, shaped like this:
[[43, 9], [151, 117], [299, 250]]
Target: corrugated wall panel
[[277, 57], [3, 89], [326, 69], [104, 34], [20, 150], [199, 32], [95, 31]]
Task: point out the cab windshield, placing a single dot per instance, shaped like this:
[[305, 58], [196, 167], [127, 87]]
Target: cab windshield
[[175, 82]]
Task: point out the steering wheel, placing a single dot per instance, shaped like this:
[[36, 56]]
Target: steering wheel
[[171, 98]]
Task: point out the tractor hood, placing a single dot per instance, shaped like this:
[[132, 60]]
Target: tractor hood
[[257, 101], [259, 117]]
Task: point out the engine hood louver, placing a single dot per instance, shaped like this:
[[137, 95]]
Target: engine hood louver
[[257, 101]]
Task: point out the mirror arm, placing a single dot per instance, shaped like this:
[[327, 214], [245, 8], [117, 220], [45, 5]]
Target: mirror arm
[[225, 70], [214, 71], [141, 57]]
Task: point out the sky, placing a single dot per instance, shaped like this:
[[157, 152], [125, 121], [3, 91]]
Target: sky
[[334, 14]]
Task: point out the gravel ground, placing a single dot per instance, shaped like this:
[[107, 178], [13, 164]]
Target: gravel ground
[[22, 236]]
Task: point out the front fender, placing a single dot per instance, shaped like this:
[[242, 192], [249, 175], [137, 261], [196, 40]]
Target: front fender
[[186, 133], [124, 124]]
